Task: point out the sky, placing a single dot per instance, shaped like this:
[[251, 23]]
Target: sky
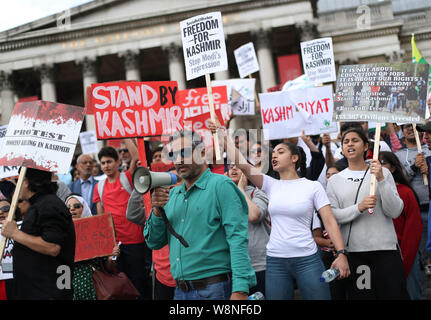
[[19, 12]]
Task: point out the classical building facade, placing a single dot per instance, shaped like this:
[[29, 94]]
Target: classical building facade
[[57, 57]]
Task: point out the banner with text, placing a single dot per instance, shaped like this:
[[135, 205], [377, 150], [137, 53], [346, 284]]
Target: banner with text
[[6, 171], [384, 92], [240, 93], [286, 113], [318, 60], [6, 267], [42, 135], [204, 46], [130, 109], [95, 237], [246, 60]]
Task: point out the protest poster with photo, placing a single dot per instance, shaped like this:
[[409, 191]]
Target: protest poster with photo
[[246, 60], [6, 171], [6, 267], [286, 113], [194, 102], [95, 237], [88, 140], [318, 60], [384, 92], [130, 109], [204, 46], [241, 95], [42, 135]]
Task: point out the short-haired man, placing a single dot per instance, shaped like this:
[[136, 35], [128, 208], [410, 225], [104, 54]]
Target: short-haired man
[[85, 184], [211, 215], [112, 195]]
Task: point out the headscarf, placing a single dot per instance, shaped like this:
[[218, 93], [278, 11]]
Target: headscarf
[[86, 212]]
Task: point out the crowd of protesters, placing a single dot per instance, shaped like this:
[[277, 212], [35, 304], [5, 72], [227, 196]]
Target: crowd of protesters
[[265, 219]]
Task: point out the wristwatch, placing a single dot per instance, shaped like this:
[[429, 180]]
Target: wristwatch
[[342, 251]]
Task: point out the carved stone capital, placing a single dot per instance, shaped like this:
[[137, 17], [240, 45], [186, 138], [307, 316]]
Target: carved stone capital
[[174, 52], [307, 31], [46, 72], [88, 66], [262, 38], [5, 80], [131, 59], [395, 56]]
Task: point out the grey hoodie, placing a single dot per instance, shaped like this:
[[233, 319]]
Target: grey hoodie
[[368, 232]]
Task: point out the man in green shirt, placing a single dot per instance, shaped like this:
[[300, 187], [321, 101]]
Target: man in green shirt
[[210, 213]]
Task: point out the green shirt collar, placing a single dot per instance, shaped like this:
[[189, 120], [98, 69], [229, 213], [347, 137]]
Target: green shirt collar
[[201, 183]]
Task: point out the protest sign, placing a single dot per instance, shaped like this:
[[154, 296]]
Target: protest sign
[[95, 237], [318, 60], [204, 47], [6, 268], [131, 109], [6, 171], [240, 93], [286, 113], [246, 60], [42, 135], [88, 140], [195, 102], [276, 88], [385, 92]]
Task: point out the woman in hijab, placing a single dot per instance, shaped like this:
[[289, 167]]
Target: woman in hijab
[[77, 206]]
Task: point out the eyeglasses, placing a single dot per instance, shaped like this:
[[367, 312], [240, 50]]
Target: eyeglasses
[[256, 150], [86, 162], [123, 150], [5, 209], [184, 152], [75, 206]]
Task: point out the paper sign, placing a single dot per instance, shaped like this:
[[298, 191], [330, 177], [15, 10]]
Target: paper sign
[[130, 109], [204, 47], [95, 237], [42, 135], [241, 95], [6, 267], [318, 60], [385, 92], [88, 140], [286, 113], [246, 60], [6, 171]]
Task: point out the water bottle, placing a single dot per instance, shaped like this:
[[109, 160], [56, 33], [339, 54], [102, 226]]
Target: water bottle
[[257, 296], [329, 275]]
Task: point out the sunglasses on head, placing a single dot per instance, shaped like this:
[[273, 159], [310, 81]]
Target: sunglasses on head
[[75, 206], [5, 209]]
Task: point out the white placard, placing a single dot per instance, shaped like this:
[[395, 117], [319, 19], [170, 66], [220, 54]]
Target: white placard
[[204, 46], [318, 60], [246, 60], [88, 140], [240, 94], [6, 171], [286, 113], [6, 269]]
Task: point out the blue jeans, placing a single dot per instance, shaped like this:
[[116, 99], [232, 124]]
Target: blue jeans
[[416, 281], [281, 274], [216, 291]]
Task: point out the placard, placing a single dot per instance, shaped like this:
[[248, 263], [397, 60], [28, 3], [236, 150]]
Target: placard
[[241, 95], [130, 109], [6, 267], [385, 92], [88, 140], [204, 46], [286, 113], [95, 237], [6, 171], [318, 60], [246, 60], [42, 135]]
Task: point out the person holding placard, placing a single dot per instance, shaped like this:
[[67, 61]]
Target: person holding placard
[[45, 244], [292, 253], [377, 269], [211, 214]]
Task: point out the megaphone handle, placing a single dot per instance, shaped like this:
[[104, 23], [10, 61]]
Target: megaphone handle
[[171, 229]]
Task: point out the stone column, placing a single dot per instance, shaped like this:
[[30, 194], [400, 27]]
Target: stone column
[[264, 56], [176, 65], [6, 96], [89, 76], [131, 64], [47, 82]]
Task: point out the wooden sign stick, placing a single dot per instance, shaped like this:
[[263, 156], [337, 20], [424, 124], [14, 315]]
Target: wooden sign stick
[[213, 115], [11, 214], [375, 157], [419, 145]]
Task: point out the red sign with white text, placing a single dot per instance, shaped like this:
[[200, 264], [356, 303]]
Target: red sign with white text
[[129, 109]]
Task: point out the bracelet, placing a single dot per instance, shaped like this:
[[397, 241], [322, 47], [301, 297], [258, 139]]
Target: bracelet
[[342, 251]]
